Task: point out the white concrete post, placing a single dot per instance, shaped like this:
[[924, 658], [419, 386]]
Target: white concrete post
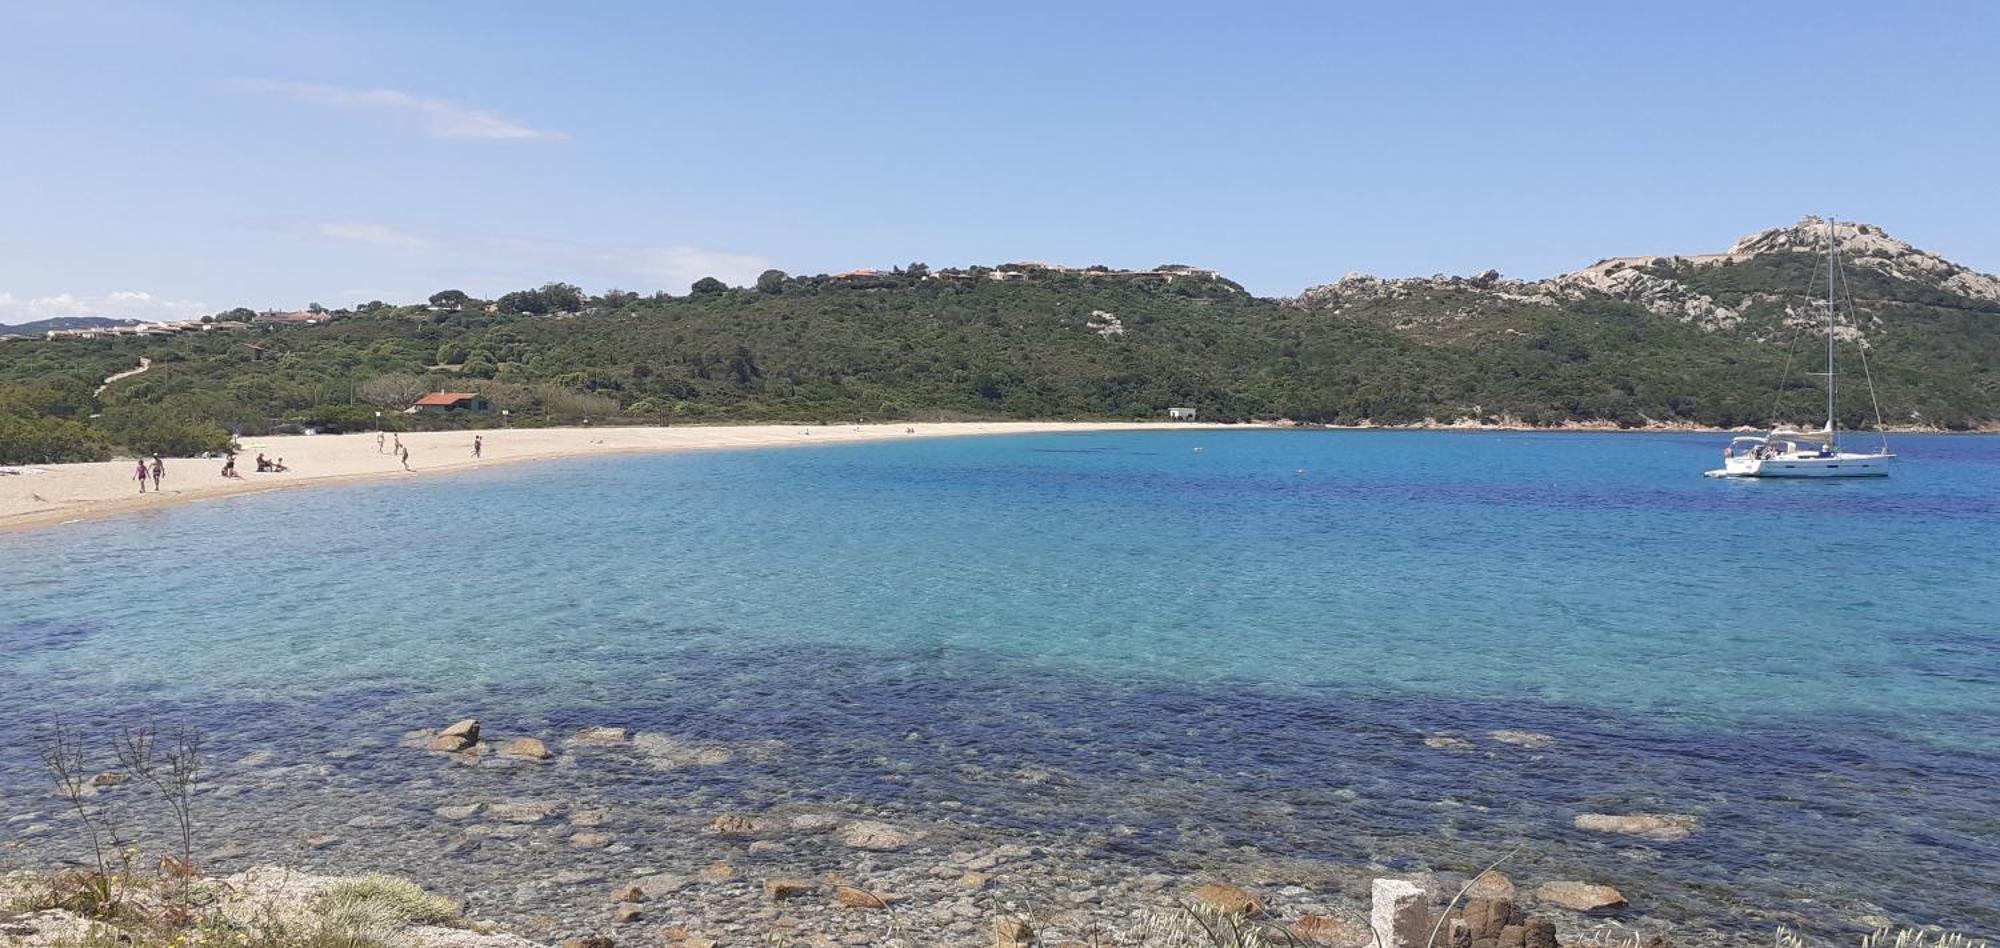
[[1400, 914]]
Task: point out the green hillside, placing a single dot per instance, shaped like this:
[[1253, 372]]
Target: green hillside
[[1039, 344]]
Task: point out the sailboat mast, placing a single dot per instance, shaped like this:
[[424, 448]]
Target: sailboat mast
[[1831, 262]]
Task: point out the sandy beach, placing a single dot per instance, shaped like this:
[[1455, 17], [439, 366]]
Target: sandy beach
[[42, 495]]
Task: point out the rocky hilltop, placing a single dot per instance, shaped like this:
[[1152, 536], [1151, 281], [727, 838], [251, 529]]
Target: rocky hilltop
[[1773, 273]]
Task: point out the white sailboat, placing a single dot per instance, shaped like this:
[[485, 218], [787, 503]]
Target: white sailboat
[[1789, 453]]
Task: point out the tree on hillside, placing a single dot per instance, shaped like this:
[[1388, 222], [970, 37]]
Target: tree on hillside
[[241, 314], [453, 299], [771, 281], [550, 298], [562, 297], [396, 390], [743, 365], [529, 302], [709, 285]]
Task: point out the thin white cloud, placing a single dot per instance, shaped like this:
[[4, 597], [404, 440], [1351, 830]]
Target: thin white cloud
[[679, 267], [439, 118], [374, 235], [672, 268], [127, 304]]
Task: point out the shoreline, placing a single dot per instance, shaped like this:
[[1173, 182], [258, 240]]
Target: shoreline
[[60, 494], [51, 495]]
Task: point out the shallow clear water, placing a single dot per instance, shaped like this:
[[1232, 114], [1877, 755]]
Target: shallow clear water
[[1200, 640]]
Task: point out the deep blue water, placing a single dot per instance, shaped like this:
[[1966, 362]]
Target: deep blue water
[[1195, 640]]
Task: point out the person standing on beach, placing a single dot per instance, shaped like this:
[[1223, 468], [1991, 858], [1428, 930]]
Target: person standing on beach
[[142, 475], [477, 444], [379, 449], [159, 474]]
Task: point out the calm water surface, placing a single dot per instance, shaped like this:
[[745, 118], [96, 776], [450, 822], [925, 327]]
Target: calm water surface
[[1175, 644]]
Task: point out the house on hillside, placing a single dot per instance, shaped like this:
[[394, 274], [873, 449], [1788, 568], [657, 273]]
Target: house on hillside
[[439, 403], [1180, 414], [296, 318]]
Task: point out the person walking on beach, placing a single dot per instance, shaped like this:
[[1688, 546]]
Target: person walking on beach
[[142, 475], [159, 474], [379, 449], [477, 444], [403, 454], [398, 449]]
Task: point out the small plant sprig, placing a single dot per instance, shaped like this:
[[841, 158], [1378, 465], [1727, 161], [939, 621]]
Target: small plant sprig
[[173, 773], [67, 757]]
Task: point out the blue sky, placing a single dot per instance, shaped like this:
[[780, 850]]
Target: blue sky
[[173, 158]]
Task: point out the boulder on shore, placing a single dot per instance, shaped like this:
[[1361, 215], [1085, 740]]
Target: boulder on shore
[[1491, 884], [1659, 827]]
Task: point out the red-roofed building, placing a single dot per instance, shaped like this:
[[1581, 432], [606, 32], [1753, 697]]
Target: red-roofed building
[[441, 402]]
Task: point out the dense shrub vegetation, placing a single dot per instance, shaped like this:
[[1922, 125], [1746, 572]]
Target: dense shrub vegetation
[[899, 345]]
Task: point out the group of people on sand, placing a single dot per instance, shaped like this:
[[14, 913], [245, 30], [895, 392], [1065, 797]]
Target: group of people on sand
[[393, 444], [154, 470], [264, 466], [383, 446]]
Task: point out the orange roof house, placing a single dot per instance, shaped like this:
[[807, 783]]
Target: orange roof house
[[452, 401]]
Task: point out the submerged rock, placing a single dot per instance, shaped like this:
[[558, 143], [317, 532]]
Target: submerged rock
[[602, 735], [1230, 899], [1659, 827], [522, 811], [854, 897], [778, 890], [875, 836], [1580, 896], [1331, 931], [736, 825], [525, 748]]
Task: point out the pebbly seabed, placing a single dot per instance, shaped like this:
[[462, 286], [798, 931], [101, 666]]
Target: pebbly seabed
[[1292, 661]]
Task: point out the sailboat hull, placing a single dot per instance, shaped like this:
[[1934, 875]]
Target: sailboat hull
[[1839, 465]]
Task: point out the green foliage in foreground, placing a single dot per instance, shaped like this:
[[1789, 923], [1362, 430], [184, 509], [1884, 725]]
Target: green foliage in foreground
[[1040, 345]]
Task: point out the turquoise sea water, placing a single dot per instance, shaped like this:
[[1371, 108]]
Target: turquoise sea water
[[1206, 639]]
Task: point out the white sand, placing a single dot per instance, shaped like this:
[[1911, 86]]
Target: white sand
[[59, 493]]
